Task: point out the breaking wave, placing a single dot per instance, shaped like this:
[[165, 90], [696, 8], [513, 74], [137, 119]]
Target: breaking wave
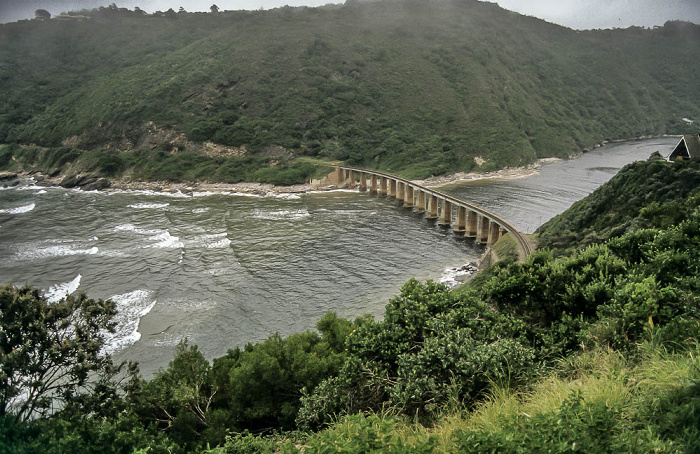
[[281, 215], [56, 292], [145, 205], [56, 250], [159, 238], [19, 210], [130, 308], [212, 241]]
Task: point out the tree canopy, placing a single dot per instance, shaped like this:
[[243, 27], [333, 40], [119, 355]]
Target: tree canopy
[[50, 353]]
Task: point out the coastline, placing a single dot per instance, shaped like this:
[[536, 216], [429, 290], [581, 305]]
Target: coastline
[[508, 173], [262, 189]]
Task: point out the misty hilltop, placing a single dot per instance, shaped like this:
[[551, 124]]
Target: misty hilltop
[[413, 87]]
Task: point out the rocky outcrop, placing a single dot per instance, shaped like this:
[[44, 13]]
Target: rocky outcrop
[[8, 179], [85, 182]]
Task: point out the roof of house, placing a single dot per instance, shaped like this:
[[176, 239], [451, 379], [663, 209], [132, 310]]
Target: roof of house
[[692, 144]]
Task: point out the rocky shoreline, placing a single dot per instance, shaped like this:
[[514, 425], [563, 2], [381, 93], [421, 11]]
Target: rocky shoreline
[[91, 182]]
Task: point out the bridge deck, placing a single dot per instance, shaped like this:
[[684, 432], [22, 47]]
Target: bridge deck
[[524, 244]]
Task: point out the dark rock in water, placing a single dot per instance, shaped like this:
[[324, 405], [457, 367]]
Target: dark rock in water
[[470, 267], [14, 183], [97, 185], [7, 176]]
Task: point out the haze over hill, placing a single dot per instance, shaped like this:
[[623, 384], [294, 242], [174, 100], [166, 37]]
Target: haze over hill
[[570, 13], [413, 87]]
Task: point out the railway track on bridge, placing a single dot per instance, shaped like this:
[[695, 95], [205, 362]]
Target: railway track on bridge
[[471, 220]]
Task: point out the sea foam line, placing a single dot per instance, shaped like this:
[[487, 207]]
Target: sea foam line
[[278, 215], [19, 210]]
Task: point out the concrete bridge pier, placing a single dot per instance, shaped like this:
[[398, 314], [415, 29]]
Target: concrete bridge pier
[[494, 233], [339, 176], [363, 182], [352, 182], [482, 237], [446, 214], [472, 225], [432, 207], [392, 189], [400, 191], [461, 222], [382, 187], [408, 196], [373, 184], [420, 204]]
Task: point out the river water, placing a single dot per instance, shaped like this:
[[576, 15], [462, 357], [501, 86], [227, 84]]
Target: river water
[[227, 269]]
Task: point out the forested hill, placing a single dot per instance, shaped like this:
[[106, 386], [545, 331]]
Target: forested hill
[[410, 86]]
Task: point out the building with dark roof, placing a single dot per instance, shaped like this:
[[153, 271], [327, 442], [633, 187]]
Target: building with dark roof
[[688, 148]]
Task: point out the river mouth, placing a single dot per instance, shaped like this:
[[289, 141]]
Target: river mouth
[[224, 270], [220, 270]]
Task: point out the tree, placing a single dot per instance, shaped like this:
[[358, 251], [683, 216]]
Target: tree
[[51, 354], [42, 14], [214, 9]]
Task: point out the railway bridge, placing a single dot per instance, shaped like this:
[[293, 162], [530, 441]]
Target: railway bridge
[[465, 218]]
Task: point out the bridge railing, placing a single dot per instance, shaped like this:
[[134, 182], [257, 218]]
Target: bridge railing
[[466, 218]]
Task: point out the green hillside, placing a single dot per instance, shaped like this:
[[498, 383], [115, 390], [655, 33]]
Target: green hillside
[[651, 194], [413, 87]]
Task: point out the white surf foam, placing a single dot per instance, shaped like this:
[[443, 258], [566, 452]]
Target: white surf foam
[[56, 250], [164, 240], [146, 205], [212, 240], [284, 195], [161, 238], [281, 215], [200, 210], [31, 187], [56, 292], [453, 277], [130, 308], [19, 210]]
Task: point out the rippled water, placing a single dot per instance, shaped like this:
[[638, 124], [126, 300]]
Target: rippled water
[[221, 270], [529, 202], [224, 270]]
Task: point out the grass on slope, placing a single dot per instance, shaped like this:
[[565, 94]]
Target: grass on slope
[[599, 401]]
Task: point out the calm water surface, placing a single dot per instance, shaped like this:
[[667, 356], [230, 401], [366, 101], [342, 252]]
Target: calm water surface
[[224, 270]]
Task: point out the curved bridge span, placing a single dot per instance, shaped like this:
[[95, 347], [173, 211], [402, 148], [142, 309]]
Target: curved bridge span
[[467, 219]]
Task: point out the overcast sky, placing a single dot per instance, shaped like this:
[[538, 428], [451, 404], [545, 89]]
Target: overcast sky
[[581, 14]]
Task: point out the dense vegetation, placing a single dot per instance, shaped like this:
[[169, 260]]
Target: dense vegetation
[[410, 86], [594, 351], [642, 195], [157, 165]]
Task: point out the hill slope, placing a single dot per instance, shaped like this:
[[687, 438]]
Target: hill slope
[[644, 194], [408, 86]]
